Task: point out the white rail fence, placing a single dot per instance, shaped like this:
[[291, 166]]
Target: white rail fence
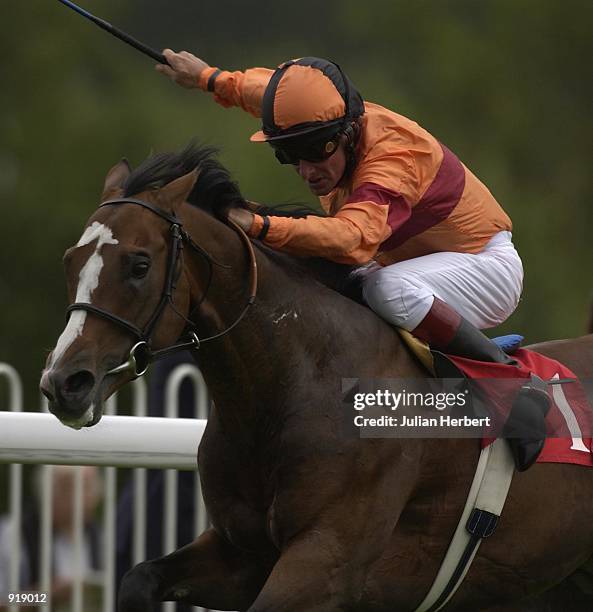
[[138, 442]]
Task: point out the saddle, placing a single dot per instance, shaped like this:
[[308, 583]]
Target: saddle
[[440, 365]]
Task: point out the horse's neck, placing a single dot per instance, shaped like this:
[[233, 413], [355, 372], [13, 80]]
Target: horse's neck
[[297, 332]]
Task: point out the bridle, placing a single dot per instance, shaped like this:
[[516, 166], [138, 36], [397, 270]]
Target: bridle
[[141, 354]]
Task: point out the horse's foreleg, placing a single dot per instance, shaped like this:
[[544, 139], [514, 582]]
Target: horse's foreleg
[[209, 572], [308, 576]]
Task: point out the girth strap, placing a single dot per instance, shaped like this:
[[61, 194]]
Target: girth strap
[[483, 507]]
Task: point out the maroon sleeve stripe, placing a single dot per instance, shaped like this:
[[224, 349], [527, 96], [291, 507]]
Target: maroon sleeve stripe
[[436, 204], [399, 209]]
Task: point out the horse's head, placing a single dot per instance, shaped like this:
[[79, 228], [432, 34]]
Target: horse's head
[[118, 275]]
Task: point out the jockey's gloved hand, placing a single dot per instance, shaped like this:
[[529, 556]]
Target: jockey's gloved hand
[[184, 68], [222, 212], [242, 217]]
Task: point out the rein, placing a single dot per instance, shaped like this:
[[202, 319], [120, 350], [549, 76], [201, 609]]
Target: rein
[[141, 354]]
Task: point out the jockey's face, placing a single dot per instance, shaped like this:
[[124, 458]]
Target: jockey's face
[[321, 177]]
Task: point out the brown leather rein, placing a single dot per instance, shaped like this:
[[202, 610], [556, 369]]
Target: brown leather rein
[[141, 354]]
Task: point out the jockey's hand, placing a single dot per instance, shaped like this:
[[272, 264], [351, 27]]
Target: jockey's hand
[[184, 68], [243, 218]]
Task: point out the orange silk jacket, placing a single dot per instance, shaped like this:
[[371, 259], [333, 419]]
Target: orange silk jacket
[[407, 197]]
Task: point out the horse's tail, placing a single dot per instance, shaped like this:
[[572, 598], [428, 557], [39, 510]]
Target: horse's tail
[[590, 321]]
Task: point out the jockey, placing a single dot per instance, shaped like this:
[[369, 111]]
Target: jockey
[[436, 245]]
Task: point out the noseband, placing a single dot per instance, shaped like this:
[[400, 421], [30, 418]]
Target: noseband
[[141, 354]]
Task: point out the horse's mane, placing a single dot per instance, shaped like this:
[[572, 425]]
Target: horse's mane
[[215, 189]]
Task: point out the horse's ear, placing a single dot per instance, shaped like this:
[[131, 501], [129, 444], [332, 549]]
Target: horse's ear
[[174, 193], [115, 179]]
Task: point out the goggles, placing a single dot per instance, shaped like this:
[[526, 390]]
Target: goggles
[[316, 151]]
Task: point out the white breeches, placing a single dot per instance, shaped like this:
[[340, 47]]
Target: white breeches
[[484, 287]]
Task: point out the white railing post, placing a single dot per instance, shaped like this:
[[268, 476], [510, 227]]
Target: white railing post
[[172, 389], [46, 533], [15, 387], [45, 526], [170, 492], [78, 527], [15, 404], [110, 501], [139, 521]]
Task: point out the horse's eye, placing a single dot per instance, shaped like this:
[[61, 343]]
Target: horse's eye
[[140, 269]]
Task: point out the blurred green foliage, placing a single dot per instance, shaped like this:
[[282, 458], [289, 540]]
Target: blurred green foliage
[[504, 83]]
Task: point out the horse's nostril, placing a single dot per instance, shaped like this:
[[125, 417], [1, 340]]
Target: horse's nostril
[[79, 382]]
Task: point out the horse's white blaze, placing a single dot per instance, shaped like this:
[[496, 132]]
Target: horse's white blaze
[[88, 280]]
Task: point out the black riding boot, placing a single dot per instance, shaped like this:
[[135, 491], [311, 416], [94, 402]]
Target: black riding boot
[[447, 331], [525, 428]]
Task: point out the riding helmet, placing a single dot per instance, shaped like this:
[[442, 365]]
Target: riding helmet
[[306, 95]]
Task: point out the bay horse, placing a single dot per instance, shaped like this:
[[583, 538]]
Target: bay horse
[[303, 517]]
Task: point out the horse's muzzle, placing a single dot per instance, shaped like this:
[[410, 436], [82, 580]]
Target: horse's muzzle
[[69, 394]]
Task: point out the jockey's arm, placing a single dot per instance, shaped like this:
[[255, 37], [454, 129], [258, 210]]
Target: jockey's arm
[[352, 236], [243, 89]]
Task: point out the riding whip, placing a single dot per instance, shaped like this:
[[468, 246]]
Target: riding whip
[[155, 55]]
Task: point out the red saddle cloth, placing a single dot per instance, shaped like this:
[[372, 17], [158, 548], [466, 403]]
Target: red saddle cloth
[[570, 418]]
